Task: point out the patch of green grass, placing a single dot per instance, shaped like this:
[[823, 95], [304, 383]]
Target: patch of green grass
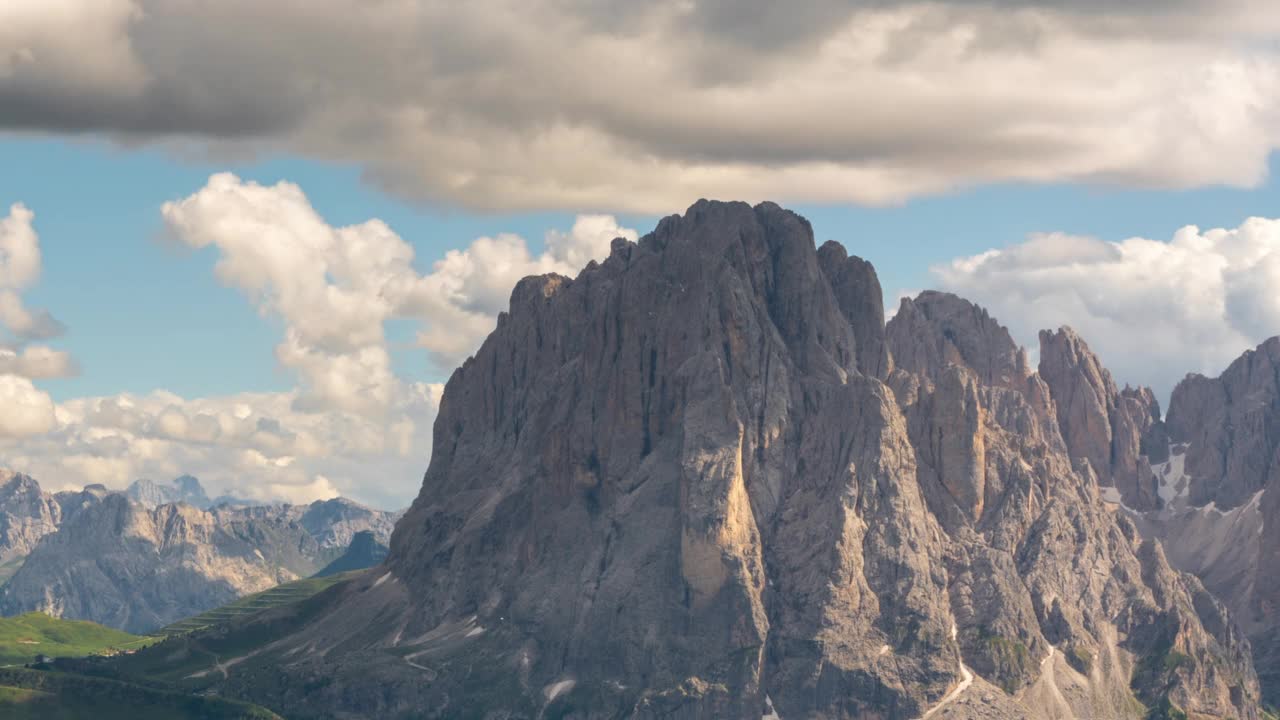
[[8, 569], [1080, 658], [38, 695], [1010, 661], [24, 637], [1175, 660], [277, 596], [13, 696], [1166, 710], [189, 651]]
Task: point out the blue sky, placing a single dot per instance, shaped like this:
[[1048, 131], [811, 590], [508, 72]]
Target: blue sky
[[144, 313]]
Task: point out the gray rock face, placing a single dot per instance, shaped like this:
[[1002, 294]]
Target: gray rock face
[[334, 523], [676, 486], [1100, 423], [1222, 480], [937, 329], [1230, 424], [122, 564], [857, 291], [27, 514], [185, 489], [365, 551]]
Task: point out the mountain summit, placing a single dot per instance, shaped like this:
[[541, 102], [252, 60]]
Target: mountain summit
[[703, 479]]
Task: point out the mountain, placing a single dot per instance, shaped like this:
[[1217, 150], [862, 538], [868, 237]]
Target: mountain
[[27, 514], [1216, 470], [335, 523], [128, 566], [186, 489], [364, 552], [705, 479]]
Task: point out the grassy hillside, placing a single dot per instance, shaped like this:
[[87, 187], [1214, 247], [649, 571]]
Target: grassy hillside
[[277, 596], [39, 695], [24, 637]]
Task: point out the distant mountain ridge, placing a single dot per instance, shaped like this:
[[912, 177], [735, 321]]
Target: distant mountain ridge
[[185, 488], [153, 554], [364, 551]]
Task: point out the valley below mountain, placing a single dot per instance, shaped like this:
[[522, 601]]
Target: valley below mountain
[[706, 479]]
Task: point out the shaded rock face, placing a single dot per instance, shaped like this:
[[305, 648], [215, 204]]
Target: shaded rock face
[[1099, 423], [335, 523], [124, 565], [676, 486], [1231, 425], [857, 291], [365, 551], [1221, 475]]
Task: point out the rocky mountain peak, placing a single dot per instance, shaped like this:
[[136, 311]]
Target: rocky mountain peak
[[186, 489], [1099, 423], [936, 329], [1229, 422], [677, 485], [857, 291], [27, 513]]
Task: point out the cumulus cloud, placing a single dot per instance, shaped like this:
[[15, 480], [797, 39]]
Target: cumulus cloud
[[27, 410], [460, 299], [498, 104], [1153, 310], [19, 270], [37, 362], [335, 288], [253, 445]]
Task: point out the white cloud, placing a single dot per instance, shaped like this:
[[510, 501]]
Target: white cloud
[[336, 287], [461, 298], [27, 411], [19, 270], [333, 287], [37, 362], [250, 445], [1153, 310], [646, 106]]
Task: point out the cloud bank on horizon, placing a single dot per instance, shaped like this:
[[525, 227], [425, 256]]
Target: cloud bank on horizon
[[644, 106]]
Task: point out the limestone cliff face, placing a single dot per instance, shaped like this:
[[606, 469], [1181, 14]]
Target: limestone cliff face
[[186, 489], [857, 291], [1099, 423], [1221, 475], [122, 564], [334, 523], [699, 480], [27, 514]]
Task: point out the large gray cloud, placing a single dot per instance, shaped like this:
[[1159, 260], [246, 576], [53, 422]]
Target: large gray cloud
[[643, 106]]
